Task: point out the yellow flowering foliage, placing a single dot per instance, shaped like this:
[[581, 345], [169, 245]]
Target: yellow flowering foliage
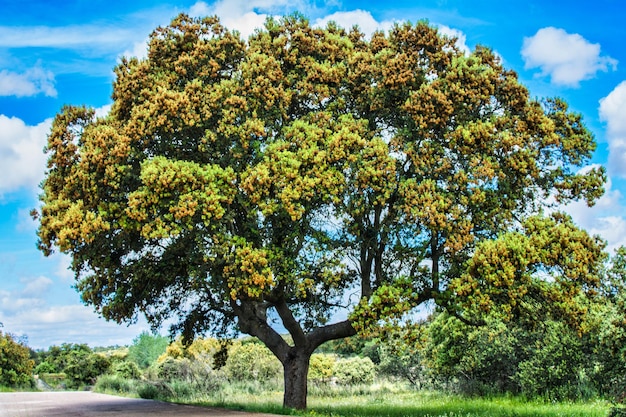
[[177, 195], [550, 260], [249, 274], [306, 167], [201, 349]]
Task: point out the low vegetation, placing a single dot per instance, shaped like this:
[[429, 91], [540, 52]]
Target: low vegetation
[[381, 376], [16, 366], [438, 368]]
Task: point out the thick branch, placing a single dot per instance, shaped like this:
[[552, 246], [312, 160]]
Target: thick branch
[[331, 332], [254, 322], [290, 323]]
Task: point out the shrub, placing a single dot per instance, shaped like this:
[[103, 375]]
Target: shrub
[[84, 368], [171, 369], [356, 370], [126, 369], [154, 391], [45, 367], [321, 367], [16, 367], [554, 369], [251, 361], [399, 355], [115, 384]]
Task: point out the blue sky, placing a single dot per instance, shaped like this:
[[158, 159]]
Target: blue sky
[[63, 52]]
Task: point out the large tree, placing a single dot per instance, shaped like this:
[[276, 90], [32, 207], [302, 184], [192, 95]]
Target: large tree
[[275, 184]]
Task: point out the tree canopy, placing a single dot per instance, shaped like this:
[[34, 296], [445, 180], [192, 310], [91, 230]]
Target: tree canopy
[[268, 184]]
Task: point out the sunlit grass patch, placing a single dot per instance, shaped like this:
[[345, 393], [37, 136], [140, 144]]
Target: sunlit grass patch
[[412, 404]]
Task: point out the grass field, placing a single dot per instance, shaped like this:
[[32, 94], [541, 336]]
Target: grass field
[[413, 404], [382, 400]]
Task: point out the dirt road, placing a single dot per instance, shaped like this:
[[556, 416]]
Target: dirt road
[[89, 404]]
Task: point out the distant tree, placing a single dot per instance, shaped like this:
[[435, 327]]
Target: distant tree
[[147, 348], [80, 364], [308, 169], [84, 367], [16, 366], [57, 358]]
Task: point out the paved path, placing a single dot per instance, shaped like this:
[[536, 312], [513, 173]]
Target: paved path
[[89, 404]]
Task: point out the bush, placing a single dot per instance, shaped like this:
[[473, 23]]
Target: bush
[[400, 356], [172, 369], [126, 369], [154, 391], [115, 384], [16, 367], [554, 369], [45, 368], [84, 368], [321, 367], [356, 370], [251, 361]]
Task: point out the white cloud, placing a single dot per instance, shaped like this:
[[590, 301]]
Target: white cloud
[[88, 36], [21, 153], [139, 50], [613, 112], [25, 222], [361, 18], [63, 270], [455, 33], [246, 16], [103, 111], [566, 58], [93, 47], [11, 304], [30, 83], [28, 308], [53, 325], [36, 286]]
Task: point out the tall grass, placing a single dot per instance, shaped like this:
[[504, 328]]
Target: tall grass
[[378, 400], [420, 404]]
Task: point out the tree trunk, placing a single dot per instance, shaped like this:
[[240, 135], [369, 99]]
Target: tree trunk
[[296, 367]]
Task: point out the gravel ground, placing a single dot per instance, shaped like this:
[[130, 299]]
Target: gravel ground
[[89, 404]]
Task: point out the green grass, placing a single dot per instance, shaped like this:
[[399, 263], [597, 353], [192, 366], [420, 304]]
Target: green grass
[[413, 404], [383, 400], [440, 405]]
